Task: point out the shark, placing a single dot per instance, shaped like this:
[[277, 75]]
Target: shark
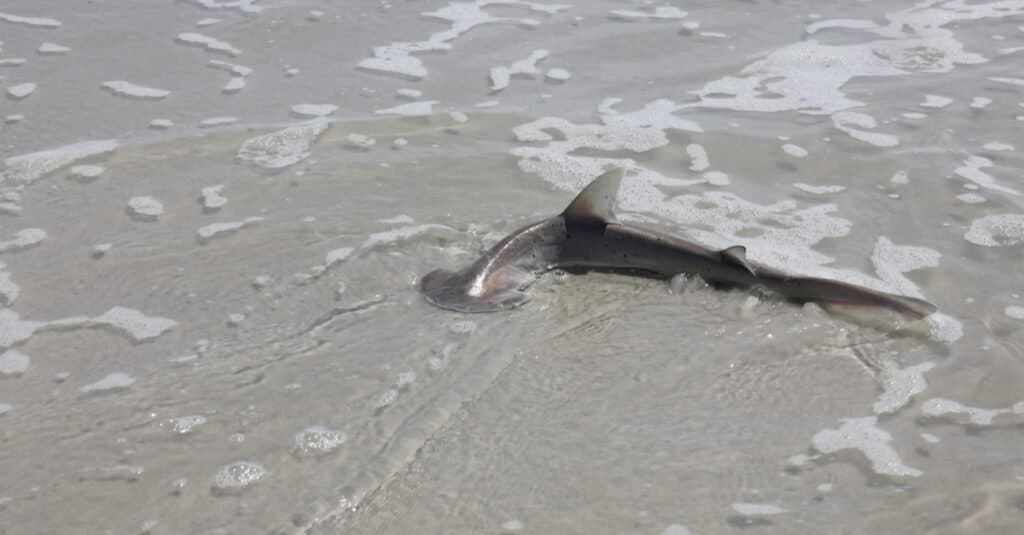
[[588, 236]]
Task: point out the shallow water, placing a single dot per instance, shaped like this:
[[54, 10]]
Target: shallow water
[[213, 214]]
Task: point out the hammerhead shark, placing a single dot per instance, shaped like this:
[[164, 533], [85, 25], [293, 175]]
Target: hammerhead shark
[[588, 236]]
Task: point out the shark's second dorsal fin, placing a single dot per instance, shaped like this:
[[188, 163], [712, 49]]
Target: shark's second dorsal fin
[[594, 204], [737, 256]]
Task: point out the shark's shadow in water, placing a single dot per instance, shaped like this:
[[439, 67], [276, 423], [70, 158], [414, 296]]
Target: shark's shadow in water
[[588, 236]]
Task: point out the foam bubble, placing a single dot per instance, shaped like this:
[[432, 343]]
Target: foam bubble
[[128, 89], [283, 147], [997, 230], [972, 170], [1014, 311], [238, 476], [676, 529], [13, 362], [26, 168], [501, 75], [12, 62], [52, 49], [864, 435], [202, 23], [658, 13], [698, 157], [182, 425], [558, 74], [8, 289], [818, 190], [511, 525], [101, 249], [145, 207], [486, 104], [233, 68], [756, 509], [979, 103], [110, 383], [161, 124], [20, 91], [977, 416], [32, 22], [4, 409], [85, 172], [795, 151], [997, 146], [847, 120], [1005, 80], [385, 398], [411, 94], [936, 101], [360, 141], [207, 42], [412, 109], [217, 121], [318, 440], [23, 239], [14, 118], [970, 198], [716, 178], [234, 85], [211, 198], [314, 110], [900, 385], [214, 230]]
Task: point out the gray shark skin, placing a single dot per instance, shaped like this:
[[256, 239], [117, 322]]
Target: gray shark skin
[[587, 235]]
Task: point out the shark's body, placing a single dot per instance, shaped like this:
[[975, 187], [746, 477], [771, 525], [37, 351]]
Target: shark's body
[[587, 235]]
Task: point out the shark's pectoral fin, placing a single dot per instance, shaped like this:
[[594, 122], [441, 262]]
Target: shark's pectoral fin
[[737, 256]]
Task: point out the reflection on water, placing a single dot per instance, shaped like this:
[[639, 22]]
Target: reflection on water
[[213, 215]]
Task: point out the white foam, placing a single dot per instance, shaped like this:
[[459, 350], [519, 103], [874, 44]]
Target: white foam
[[14, 118], [914, 115], [314, 110], [145, 207], [19, 91], [23, 239], [360, 141], [337, 256], [997, 146], [818, 190], [234, 85], [211, 197], [979, 103], [161, 124], [217, 121], [245, 6], [133, 323], [128, 89], [12, 62], [500, 76], [202, 23], [900, 385], [32, 22], [756, 509], [676, 529], [1014, 311], [183, 425], [397, 58], [558, 74], [972, 170], [847, 120], [864, 435], [891, 261], [970, 198], [112, 382], [4, 409], [795, 151], [930, 438], [207, 42], [214, 230], [238, 476], [412, 94], [52, 49], [101, 249], [402, 233], [658, 13], [935, 101], [283, 147], [27, 168], [716, 178], [233, 68], [318, 440], [975, 415], [412, 109], [13, 362], [399, 142], [486, 104], [997, 230], [1005, 80], [85, 172], [8, 289]]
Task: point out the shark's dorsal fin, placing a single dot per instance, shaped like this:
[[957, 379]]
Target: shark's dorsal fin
[[737, 256], [594, 204]]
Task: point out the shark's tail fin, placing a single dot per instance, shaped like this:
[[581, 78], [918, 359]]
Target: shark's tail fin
[[829, 292]]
